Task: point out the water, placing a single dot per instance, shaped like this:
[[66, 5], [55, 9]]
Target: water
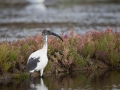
[[97, 80], [22, 18]]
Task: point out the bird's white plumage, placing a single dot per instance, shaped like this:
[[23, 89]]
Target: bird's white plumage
[[42, 53]]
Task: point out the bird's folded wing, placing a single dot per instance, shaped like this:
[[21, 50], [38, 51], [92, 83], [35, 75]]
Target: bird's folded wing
[[32, 63]]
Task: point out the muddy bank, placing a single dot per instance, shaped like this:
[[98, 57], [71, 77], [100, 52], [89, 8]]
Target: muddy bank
[[9, 77], [58, 70]]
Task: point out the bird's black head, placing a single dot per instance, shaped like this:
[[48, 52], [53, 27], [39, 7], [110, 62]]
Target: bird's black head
[[47, 32]]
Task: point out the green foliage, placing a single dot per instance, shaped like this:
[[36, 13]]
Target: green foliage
[[13, 54], [78, 60], [103, 41], [107, 42], [48, 67], [7, 66], [3, 52], [8, 54], [114, 57], [88, 49], [21, 76], [50, 49]]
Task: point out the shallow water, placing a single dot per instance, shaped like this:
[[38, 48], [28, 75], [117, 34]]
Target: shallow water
[[108, 80], [22, 18]]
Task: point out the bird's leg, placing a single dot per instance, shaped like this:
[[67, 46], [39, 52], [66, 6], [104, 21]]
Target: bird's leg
[[30, 76], [41, 73]]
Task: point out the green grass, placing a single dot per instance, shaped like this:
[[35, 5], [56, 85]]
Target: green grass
[[21, 76], [114, 57], [88, 50]]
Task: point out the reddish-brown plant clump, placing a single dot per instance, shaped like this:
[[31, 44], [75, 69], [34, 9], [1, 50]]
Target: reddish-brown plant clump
[[94, 50]]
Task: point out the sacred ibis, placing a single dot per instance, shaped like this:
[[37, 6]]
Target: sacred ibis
[[38, 59]]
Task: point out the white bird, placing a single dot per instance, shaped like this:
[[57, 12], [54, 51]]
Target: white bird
[[38, 59]]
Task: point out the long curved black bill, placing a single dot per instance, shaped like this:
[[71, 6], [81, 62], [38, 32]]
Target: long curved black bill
[[54, 34]]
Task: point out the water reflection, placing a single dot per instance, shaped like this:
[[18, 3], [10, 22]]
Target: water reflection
[[40, 86], [96, 80], [40, 7], [36, 1]]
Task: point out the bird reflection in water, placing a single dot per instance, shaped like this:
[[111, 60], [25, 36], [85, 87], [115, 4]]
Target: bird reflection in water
[[40, 86]]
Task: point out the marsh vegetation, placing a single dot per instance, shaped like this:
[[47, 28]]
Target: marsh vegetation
[[91, 51]]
